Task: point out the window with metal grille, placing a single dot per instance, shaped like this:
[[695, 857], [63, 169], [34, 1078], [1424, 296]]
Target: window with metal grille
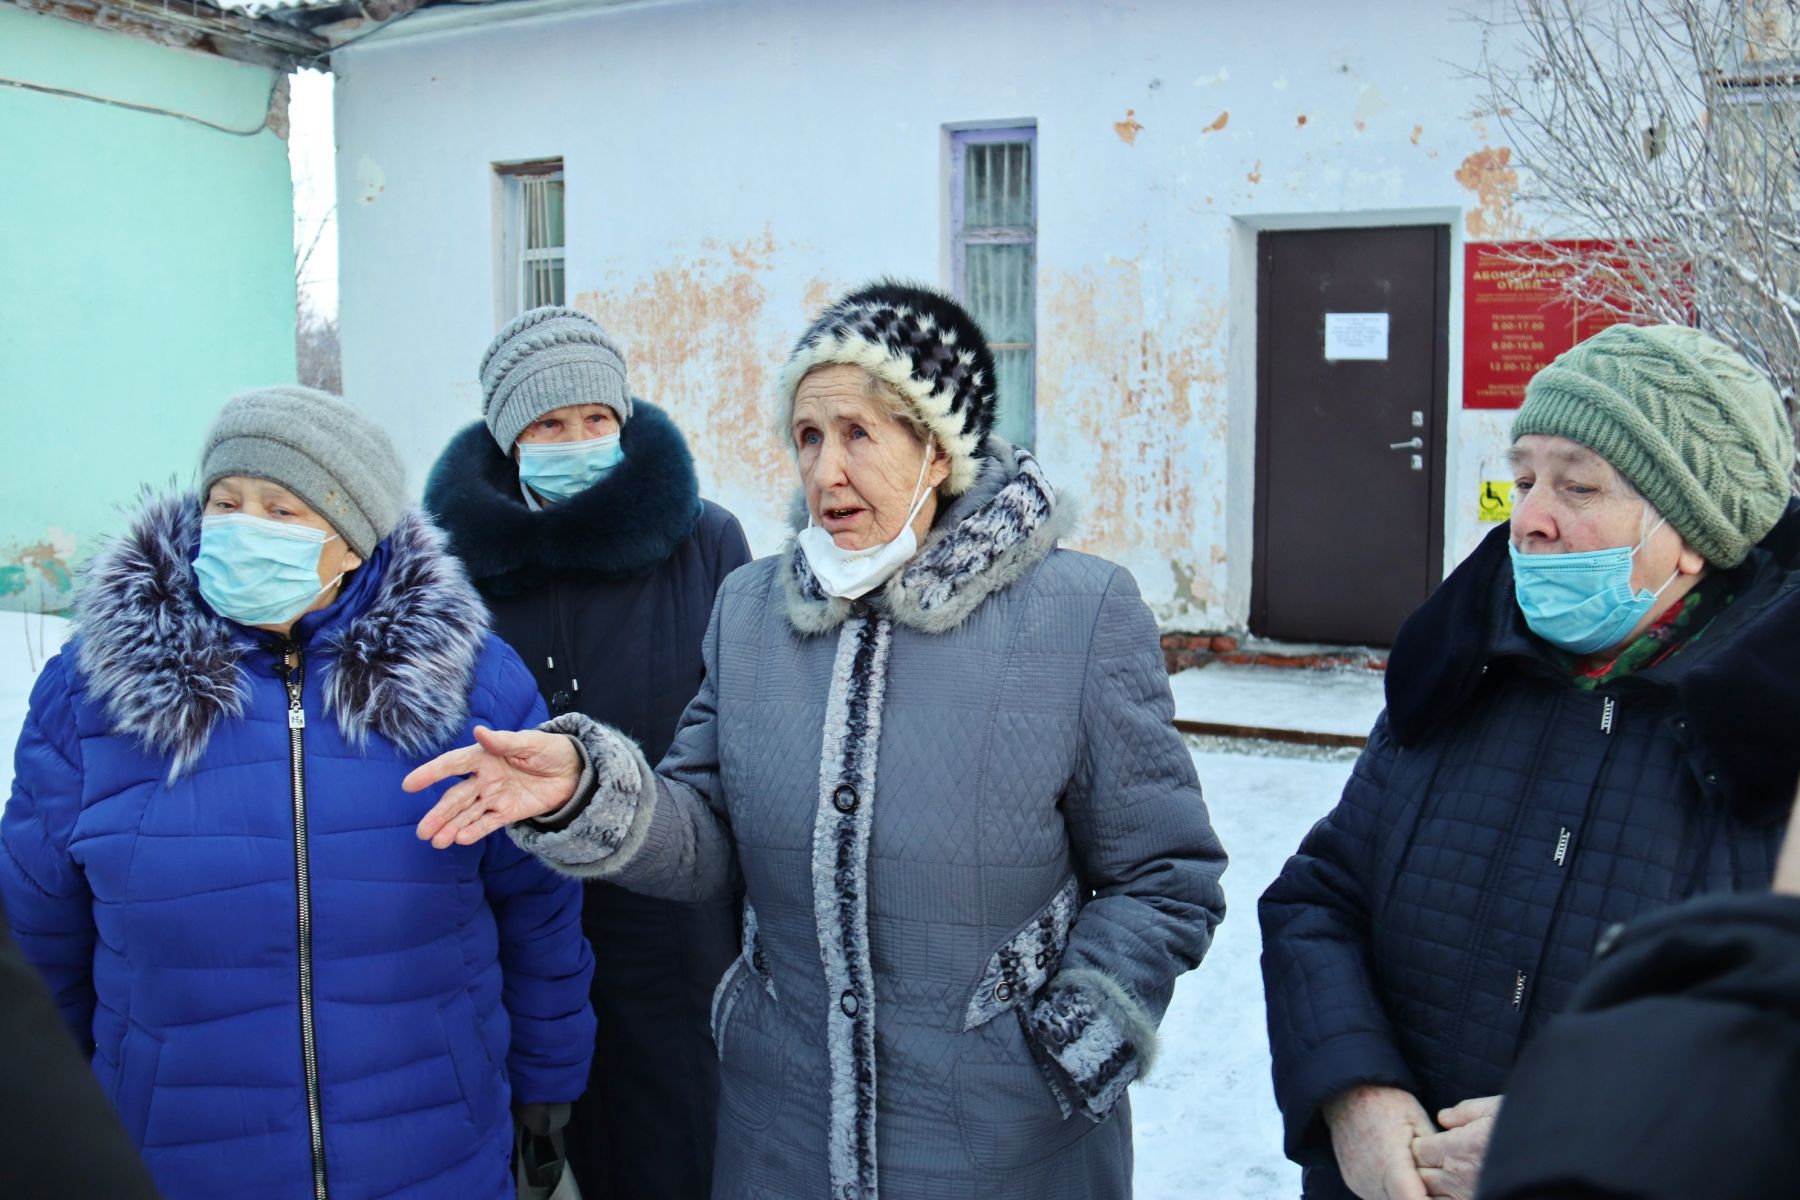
[[531, 238], [993, 233]]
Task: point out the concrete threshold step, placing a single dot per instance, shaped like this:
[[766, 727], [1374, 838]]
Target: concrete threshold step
[[1326, 708]]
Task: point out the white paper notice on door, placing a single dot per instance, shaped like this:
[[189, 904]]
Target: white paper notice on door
[[1356, 336]]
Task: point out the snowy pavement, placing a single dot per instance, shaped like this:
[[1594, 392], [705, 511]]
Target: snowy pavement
[[1319, 701], [1207, 1128]]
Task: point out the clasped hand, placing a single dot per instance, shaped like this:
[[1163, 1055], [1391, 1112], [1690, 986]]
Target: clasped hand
[[1388, 1149], [506, 777]]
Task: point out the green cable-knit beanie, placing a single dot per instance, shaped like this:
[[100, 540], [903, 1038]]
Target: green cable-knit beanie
[[1694, 427]]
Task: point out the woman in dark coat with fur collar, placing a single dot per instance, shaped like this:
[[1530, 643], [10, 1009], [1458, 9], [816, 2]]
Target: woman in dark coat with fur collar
[[576, 510]]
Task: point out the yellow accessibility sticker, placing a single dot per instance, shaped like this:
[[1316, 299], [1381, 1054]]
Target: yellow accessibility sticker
[[1496, 500]]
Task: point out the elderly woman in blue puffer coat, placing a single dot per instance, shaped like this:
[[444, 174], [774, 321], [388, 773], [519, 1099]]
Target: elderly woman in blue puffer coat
[[937, 751], [208, 854]]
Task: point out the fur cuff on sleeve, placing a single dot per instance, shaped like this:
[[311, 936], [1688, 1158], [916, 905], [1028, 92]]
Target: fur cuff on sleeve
[[1094, 1037], [606, 822]]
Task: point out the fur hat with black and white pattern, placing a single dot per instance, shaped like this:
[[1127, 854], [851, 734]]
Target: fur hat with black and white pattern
[[924, 345]]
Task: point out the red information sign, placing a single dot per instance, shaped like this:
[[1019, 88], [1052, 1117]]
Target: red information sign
[[1517, 315]]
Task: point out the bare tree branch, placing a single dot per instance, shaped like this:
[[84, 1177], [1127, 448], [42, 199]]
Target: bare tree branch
[[1670, 128]]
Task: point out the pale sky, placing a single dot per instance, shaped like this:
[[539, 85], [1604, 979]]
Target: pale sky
[[311, 155]]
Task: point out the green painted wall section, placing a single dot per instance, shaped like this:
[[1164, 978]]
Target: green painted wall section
[[146, 273]]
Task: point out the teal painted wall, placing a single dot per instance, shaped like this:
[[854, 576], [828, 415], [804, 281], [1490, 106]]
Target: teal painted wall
[[146, 273]]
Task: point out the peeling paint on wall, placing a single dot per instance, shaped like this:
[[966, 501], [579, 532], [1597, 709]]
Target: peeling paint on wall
[[1488, 174], [1137, 410], [39, 572], [697, 343], [1417, 130], [1128, 128], [1218, 123], [820, 292]]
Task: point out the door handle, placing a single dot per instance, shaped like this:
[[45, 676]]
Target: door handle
[[1414, 444]]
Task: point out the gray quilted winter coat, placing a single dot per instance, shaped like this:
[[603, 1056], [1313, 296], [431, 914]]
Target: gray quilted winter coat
[[974, 851]]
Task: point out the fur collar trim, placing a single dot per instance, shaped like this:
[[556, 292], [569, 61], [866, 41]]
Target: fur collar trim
[[622, 526], [397, 663], [987, 540]]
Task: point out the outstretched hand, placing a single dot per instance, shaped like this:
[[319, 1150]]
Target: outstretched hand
[[507, 777]]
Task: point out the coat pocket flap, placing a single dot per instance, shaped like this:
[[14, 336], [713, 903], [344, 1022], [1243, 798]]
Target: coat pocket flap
[[1026, 960]]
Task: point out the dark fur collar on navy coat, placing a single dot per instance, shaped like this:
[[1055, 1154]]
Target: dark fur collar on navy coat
[[397, 650], [622, 526], [1738, 686]]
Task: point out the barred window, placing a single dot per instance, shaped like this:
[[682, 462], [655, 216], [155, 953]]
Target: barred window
[[531, 237], [993, 205]]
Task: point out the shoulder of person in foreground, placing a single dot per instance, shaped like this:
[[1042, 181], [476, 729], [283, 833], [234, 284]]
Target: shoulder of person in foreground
[[61, 1137], [1675, 1071]]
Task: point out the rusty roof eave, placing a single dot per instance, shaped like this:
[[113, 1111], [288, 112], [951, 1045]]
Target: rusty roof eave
[[191, 25]]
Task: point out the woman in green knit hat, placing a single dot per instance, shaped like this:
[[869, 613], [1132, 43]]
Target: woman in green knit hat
[[1591, 719]]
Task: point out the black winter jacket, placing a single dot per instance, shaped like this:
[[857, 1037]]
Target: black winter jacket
[[1500, 819], [606, 596], [1674, 1074]]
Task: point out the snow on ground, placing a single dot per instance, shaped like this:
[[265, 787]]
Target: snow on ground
[[26, 640], [1207, 1128], [1345, 701]]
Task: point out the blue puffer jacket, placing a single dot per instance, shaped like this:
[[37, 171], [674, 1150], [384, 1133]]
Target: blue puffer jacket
[[1501, 819], [159, 871]]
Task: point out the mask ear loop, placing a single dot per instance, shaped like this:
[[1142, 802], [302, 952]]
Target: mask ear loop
[[919, 488], [1645, 541]]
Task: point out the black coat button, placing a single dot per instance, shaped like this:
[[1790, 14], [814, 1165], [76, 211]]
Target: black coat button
[[848, 1003], [859, 608], [1003, 991], [844, 799], [561, 702]]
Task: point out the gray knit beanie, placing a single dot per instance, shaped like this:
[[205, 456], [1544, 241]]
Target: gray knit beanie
[[1694, 427], [545, 359], [319, 448]]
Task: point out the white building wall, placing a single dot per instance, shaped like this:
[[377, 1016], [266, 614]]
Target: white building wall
[[731, 165]]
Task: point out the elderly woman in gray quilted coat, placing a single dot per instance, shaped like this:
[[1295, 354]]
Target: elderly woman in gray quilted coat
[[936, 752]]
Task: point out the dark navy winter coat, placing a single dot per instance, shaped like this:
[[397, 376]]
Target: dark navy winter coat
[[1500, 819], [606, 596], [150, 862]]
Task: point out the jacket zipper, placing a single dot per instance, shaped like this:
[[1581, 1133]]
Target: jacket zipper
[[309, 1047]]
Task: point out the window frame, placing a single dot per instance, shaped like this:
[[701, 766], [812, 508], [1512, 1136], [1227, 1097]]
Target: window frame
[[512, 255], [963, 236]]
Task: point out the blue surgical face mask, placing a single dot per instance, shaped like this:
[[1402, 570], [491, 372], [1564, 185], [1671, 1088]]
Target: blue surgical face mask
[[559, 470], [259, 572], [1582, 601]]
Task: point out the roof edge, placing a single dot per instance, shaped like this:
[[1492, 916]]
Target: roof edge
[[191, 25]]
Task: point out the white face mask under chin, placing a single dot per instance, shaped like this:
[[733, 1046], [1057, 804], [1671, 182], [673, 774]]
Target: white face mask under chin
[[849, 574]]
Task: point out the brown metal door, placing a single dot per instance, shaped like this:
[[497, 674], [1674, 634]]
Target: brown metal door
[[1352, 355]]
